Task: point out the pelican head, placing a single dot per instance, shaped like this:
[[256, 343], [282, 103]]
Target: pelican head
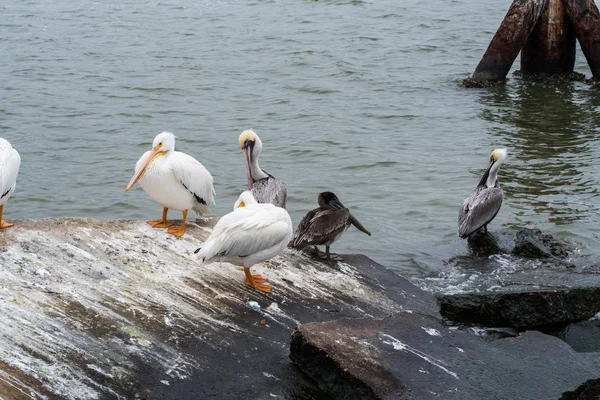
[[329, 201], [498, 156], [490, 175], [249, 139], [245, 199], [163, 143], [251, 144]]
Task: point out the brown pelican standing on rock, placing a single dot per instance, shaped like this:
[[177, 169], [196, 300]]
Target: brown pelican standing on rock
[[250, 234], [324, 225], [10, 161], [482, 205], [175, 180], [264, 187]]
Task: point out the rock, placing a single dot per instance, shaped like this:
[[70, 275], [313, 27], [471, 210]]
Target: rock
[[414, 356], [533, 244], [111, 309], [590, 390], [483, 245], [583, 336], [523, 309]]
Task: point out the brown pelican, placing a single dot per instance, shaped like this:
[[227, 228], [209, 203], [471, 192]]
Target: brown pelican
[[10, 161], [265, 187], [175, 180], [482, 205], [250, 234], [324, 225]]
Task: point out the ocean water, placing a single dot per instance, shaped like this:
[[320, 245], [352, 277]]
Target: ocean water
[[361, 98]]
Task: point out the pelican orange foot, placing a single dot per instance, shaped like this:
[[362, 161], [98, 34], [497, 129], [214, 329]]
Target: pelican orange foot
[[160, 223], [256, 281], [3, 223], [179, 230]]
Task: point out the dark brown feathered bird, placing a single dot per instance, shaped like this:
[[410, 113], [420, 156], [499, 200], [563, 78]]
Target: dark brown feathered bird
[[324, 225]]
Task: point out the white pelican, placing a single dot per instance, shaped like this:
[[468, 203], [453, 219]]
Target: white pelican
[[482, 205], [10, 161], [265, 187], [175, 180], [250, 234], [325, 225]]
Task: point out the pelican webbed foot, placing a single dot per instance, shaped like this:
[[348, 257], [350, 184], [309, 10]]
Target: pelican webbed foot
[[256, 281], [3, 223], [179, 230], [256, 278], [157, 223], [160, 223]]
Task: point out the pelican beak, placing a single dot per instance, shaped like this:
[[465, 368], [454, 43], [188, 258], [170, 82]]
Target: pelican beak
[[358, 225], [140, 172], [248, 146], [336, 204], [485, 175]]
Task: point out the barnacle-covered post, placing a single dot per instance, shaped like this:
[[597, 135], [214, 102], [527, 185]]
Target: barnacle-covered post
[[550, 47], [509, 39], [586, 21]]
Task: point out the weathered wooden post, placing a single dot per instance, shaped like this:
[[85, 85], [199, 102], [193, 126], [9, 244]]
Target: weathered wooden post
[[545, 31], [586, 22], [509, 39], [550, 47]]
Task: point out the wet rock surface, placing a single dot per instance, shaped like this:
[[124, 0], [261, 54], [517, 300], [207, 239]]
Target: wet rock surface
[[590, 390], [534, 244], [522, 309], [525, 243], [117, 310], [414, 356]]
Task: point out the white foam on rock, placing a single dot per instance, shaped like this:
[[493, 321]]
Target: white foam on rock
[[81, 296]]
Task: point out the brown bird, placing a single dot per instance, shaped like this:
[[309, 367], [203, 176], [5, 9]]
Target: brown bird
[[324, 225]]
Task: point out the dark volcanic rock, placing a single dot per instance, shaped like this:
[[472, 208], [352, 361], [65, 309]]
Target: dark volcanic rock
[[523, 310], [413, 356], [588, 391], [531, 243]]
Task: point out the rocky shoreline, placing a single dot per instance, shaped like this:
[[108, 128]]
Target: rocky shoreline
[[112, 309]]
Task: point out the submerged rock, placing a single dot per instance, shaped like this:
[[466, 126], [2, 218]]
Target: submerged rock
[[115, 309], [414, 356]]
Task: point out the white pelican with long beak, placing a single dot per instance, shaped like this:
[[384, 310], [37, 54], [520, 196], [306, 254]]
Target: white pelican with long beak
[[482, 205], [250, 234], [175, 180], [10, 161], [265, 187], [325, 225]]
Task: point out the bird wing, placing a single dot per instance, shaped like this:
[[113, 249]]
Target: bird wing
[[192, 174], [303, 227], [270, 190], [320, 227], [246, 231], [478, 209], [10, 161]]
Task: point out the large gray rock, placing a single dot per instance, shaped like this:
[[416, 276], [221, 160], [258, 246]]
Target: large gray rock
[[522, 309], [413, 356], [115, 309]]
